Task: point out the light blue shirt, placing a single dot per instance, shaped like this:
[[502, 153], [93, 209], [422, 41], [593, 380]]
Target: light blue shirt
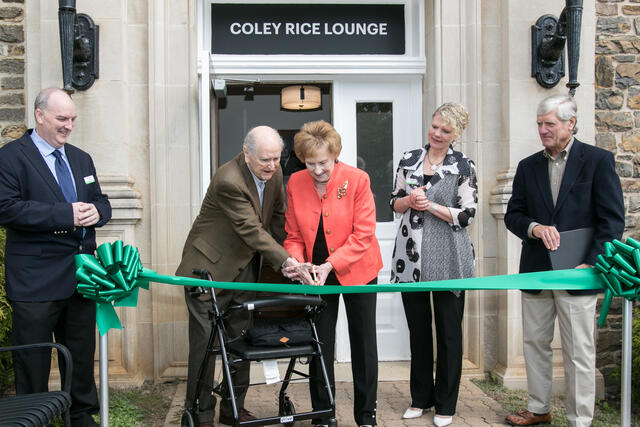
[[46, 151], [259, 185]]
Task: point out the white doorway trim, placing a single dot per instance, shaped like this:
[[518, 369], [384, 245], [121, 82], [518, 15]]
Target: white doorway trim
[[405, 95]]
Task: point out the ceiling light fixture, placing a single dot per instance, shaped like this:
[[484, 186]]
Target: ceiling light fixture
[[300, 97]]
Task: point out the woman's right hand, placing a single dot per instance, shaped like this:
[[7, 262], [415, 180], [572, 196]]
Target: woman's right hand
[[418, 200], [323, 271]]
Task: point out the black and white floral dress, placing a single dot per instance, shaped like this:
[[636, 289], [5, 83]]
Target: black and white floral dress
[[428, 248]]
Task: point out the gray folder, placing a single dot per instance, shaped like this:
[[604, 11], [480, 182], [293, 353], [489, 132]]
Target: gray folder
[[574, 246]]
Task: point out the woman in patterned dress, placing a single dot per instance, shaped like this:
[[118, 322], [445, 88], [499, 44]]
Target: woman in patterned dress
[[436, 194]]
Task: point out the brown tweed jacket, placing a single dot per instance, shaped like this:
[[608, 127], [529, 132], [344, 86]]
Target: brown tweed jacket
[[231, 228]]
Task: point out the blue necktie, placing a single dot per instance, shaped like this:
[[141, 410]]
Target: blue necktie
[[64, 178]]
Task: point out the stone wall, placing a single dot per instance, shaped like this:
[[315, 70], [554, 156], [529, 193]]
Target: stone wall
[[617, 118], [12, 50]]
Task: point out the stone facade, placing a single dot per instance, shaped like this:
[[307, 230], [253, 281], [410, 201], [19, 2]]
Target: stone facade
[[140, 122], [12, 68], [617, 117]]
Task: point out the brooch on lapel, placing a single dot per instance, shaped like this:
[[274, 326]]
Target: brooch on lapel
[[342, 190]]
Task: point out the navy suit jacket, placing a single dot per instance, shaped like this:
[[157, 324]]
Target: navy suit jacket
[[590, 196], [41, 238]]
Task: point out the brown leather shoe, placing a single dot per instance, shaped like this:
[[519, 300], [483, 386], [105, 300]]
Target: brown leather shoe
[[527, 418], [243, 415]]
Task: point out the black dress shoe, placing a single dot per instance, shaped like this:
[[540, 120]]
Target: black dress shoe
[[243, 415]]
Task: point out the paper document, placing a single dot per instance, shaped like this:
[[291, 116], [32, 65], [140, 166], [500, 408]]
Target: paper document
[[271, 372]]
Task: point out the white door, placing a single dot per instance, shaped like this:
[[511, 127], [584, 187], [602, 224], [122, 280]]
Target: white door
[[379, 118]]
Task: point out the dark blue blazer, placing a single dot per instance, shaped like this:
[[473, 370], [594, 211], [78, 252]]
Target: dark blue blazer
[[41, 238], [590, 196]]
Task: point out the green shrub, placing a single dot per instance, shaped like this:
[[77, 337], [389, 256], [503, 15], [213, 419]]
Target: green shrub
[[6, 375]]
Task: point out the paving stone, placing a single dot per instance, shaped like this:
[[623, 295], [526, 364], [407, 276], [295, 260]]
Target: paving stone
[[474, 407]]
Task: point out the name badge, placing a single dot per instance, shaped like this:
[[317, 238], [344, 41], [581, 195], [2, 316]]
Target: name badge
[[89, 179], [411, 181]]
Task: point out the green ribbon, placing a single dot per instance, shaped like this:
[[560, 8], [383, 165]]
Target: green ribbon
[[575, 279], [113, 276], [619, 268]]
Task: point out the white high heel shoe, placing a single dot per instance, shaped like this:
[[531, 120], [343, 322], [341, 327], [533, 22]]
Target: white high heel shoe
[[412, 413], [442, 420]]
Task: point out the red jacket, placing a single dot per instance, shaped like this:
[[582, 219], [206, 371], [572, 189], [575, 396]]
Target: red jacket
[[349, 223]]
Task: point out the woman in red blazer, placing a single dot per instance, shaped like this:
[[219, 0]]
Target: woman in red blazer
[[331, 223]]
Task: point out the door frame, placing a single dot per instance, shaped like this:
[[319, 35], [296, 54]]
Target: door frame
[[306, 68], [405, 92], [408, 125]]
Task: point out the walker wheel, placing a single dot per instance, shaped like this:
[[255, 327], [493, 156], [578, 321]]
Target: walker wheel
[[333, 422], [287, 408], [188, 419]]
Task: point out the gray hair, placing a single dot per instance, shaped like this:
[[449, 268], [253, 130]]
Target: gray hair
[[564, 106], [42, 100], [251, 141]]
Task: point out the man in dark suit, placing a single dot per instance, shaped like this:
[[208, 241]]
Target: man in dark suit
[[50, 204], [568, 185], [240, 224]]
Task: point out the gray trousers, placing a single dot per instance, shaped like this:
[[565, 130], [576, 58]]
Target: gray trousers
[[199, 332]]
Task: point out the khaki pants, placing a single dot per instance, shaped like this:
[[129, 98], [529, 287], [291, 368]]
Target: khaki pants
[[576, 319]]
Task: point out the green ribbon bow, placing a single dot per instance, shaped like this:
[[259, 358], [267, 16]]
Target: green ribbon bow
[[619, 268], [113, 276]]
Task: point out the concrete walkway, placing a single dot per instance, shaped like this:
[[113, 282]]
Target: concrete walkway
[[474, 407]]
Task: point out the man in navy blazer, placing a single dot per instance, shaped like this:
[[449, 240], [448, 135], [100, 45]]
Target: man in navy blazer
[[568, 185], [46, 227]]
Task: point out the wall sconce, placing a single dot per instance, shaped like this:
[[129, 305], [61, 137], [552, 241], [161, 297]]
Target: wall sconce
[[78, 46], [300, 97], [548, 37]]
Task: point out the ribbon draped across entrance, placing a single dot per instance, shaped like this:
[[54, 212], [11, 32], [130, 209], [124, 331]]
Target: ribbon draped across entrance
[[114, 275]]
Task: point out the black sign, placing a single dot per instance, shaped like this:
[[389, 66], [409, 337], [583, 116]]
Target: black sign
[[312, 29]]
